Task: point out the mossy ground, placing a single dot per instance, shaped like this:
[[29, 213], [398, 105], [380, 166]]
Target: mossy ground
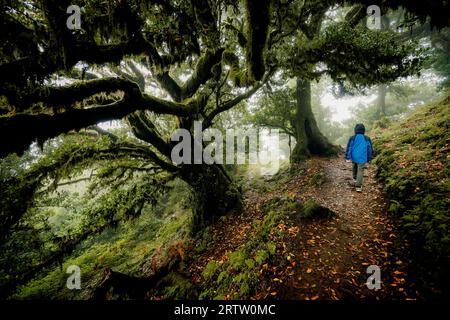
[[414, 162], [247, 267]]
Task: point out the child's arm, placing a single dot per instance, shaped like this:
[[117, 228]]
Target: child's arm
[[349, 147]]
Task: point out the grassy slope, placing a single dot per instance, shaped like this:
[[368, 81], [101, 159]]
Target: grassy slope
[[414, 162]]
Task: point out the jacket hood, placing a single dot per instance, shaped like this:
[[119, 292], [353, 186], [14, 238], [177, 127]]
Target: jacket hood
[[359, 128]]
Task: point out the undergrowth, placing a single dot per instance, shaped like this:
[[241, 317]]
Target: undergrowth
[[414, 162], [257, 267]]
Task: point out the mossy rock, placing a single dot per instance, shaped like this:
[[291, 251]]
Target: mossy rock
[[312, 210], [285, 204]]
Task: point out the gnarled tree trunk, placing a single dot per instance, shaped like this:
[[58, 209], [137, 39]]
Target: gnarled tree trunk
[[214, 193], [309, 138]]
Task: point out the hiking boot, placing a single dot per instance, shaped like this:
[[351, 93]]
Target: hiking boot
[[359, 189]]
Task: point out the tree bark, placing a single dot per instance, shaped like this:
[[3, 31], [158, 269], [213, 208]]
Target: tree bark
[[381, 101], [309, 138], [214, 193]]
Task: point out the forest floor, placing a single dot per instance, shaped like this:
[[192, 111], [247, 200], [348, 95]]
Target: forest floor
[[328, 257]]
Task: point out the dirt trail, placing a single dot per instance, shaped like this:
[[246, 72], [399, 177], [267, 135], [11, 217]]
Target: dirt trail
[[331, 255], [334, 254]]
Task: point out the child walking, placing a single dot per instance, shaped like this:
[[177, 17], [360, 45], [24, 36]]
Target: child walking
[[359, 151]]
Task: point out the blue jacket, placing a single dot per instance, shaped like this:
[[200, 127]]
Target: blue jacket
[[359, 149], [359, 146]]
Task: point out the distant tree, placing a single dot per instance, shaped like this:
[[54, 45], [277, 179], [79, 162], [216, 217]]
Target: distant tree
[[440, 61], [277, 108], [316, 39]]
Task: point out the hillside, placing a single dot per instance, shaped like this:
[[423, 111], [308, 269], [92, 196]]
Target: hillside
[[414, 164]]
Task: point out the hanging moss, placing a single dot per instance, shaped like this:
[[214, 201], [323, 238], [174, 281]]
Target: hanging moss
[[240, 77]]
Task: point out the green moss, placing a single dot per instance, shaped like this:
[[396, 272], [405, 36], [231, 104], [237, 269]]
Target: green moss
[[244, 289], [210, 270], [312, 209], [237, 259], [318, 179], [124, 249], [239, 275], [180, 287], [413, 161], [261, 256], [250, 263], [221, 276], [272, 247]]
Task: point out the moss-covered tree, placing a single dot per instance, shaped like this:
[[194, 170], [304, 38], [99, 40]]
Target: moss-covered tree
[[317, 42], [158, 65], [166, 39]]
